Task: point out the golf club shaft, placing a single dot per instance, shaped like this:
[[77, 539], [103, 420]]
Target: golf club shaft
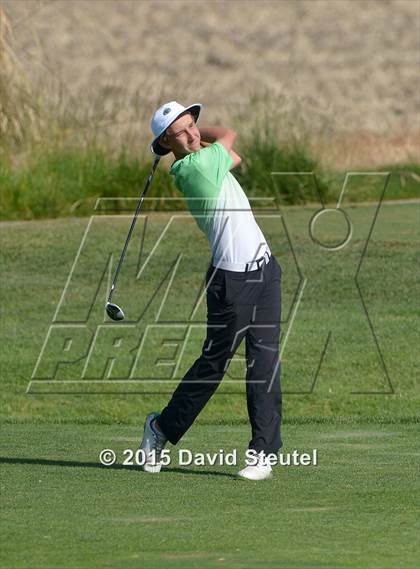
[[133, 223]]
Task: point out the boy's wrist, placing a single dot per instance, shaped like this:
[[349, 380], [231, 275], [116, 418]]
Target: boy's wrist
[[212, 133]]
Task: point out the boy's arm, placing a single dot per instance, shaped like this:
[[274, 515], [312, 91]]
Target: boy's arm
[[236, 159], [225, 136]]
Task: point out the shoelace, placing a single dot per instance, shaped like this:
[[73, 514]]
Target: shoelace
[[261, 460], [160, 442]]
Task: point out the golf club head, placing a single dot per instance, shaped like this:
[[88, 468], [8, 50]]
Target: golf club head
[[114, 311]]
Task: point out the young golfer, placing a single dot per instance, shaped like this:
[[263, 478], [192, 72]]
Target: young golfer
[[243, 289]]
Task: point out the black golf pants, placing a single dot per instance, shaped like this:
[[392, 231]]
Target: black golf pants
[[239, 304]]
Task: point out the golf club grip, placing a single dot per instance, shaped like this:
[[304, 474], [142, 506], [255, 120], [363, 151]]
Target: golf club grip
[[133, 223]]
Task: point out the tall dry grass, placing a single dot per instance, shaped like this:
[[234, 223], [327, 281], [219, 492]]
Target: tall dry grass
[[36, 118], [20, 111], [60, 151]]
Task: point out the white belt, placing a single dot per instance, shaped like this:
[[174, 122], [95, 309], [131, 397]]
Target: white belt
[[244, 267]]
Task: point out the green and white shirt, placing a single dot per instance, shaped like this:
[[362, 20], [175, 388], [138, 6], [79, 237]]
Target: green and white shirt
[[220, 207]]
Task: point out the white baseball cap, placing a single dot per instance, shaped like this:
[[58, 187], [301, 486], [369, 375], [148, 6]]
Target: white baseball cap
[[164, 117]]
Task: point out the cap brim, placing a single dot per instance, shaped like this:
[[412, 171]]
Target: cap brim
[[157, 148]]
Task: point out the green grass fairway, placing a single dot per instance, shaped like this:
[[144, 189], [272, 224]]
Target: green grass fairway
[[357, 509], [331, 364]]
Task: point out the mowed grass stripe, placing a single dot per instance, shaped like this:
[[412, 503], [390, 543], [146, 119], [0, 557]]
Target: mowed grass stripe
[[357, 508], [37, 258]]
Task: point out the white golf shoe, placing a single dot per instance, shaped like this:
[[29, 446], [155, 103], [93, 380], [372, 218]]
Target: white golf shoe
[[152, 444], [260, 471]]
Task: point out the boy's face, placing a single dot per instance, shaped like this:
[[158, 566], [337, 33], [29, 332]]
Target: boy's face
[[182, 136]]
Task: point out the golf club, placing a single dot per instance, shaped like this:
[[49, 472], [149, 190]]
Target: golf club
[[113, 310]]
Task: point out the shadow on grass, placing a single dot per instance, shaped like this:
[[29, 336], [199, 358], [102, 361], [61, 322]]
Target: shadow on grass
[[74, 463]]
